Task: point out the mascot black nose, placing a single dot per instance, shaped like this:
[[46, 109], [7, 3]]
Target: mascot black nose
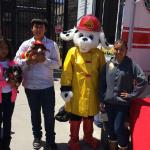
[[64, 32], [85, 39]]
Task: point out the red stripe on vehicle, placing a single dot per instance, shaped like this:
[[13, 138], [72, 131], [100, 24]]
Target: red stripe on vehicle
[[141, 38], [141, 47], [125, 28], [138, 38], [142, 29], [137, 28], [125, 36]]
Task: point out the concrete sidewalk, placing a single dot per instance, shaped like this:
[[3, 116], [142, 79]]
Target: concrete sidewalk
[[21, 125]]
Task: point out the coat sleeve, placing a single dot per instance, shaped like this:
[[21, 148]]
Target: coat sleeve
[[140, 81], [67, 72]]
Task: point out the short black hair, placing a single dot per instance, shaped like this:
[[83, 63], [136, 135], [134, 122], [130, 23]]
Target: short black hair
[[39, 21]]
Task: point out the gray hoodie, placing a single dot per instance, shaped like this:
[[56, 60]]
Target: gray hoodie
[[116, 78]]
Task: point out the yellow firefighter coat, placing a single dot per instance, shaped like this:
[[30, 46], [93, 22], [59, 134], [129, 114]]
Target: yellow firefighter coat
[[81, 71]]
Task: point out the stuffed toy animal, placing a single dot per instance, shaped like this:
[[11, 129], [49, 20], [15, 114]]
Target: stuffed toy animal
[[13, 73], [80, 80], [36, 48]]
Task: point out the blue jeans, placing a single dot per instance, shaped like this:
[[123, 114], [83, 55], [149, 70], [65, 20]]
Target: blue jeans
[[42, 99], [117, 115], [6, 112]]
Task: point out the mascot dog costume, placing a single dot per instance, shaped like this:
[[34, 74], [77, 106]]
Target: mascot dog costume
[[80, 81]]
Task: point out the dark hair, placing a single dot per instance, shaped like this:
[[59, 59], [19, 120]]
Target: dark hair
[[122, 42], [39, 21], [9, 56]]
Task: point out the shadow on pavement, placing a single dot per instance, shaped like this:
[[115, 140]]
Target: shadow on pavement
[[84, 146]]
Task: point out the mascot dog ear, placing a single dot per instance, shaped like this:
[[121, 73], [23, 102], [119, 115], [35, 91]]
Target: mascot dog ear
[[104, 42], [68, 35]]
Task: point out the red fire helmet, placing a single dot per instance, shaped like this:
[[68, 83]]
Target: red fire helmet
[[89, 23]]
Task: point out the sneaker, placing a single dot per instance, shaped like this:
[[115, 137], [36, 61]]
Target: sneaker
[[37, 143], [50, 147]]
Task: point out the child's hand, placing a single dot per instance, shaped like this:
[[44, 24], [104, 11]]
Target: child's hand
[[124, 94]]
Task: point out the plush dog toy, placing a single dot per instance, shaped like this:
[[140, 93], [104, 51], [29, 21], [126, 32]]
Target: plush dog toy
[[13, 73], [36, 48], [80, 80]]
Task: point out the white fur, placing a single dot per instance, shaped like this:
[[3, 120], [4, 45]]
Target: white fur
[[104, 41], [88, 44], [68, 97]]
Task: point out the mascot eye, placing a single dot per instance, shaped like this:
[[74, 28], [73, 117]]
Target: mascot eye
[[76, 31], [91, 37], [80, 35]]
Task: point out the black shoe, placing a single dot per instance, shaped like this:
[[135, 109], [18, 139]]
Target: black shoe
[[50, 147], [37, 143]]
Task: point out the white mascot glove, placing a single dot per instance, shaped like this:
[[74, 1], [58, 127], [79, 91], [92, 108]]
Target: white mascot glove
[[66, 95]]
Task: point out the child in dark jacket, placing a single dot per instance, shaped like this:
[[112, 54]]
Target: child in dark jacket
[[121, 81]]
